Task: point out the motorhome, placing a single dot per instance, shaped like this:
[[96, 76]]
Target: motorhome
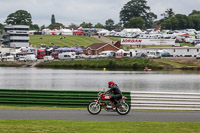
[[30, 57], [48, 58], [122, 54], [67, 55], [154, 54], [107, 54]]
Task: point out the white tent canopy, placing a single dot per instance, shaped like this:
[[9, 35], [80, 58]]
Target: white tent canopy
[[133, 30], [66, 32]]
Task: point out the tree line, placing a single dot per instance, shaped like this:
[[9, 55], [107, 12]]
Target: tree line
[[134, 14]]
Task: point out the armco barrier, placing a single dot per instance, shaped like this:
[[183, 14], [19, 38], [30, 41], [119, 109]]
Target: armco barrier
[[49, 97], [165, 100]]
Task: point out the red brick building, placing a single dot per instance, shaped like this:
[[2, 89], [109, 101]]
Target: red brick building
[[97, 48]]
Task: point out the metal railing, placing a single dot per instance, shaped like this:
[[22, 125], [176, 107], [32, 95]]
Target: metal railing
[[165, 100]]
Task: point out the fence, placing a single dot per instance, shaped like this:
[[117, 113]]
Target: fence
[[49, 97], [137, 99], [165, 100]]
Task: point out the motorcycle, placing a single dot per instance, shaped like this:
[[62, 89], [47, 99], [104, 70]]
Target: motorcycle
[[95, 106]]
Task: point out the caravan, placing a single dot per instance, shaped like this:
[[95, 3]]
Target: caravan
[[107, 54], [67, 56], [154, 54]]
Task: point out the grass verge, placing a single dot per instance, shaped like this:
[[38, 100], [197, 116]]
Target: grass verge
[[67, 40], [12, 64], [110, 64], [58, 126]]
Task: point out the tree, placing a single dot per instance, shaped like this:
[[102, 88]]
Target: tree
[[42, 27], [136, 22], [1, 26], [53, 20], [34, 27], [109, 24], [74, 26], [86, 25], [20, 17], [98, 25], [170, 23], [194, 12], [182, 21], [168, 13], [137, 8], [118, 26], [194, 21], [54, 24]]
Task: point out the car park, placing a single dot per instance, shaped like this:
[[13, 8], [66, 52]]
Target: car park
[[48, 58], [141, 55], [198, 56], [22, 58], [166, 55], [30, 57]]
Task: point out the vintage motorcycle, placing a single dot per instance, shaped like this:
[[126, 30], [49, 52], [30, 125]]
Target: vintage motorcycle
[[96, 106]]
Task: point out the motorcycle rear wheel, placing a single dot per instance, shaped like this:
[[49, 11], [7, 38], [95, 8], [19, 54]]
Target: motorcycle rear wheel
[[124, 109], [94, 108]]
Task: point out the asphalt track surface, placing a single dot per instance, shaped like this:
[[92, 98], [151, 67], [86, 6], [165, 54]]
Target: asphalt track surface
[[83, 115]]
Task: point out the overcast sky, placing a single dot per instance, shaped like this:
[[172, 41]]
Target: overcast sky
[[94, 11]]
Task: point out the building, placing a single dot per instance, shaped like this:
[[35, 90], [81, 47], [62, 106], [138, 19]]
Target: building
[[97, 48], [175, 51], [16, 36]]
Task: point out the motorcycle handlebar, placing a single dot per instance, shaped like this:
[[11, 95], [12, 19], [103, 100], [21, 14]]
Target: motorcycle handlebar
[[101, 93]]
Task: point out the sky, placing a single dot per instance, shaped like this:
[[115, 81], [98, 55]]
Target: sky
[[93, 11]]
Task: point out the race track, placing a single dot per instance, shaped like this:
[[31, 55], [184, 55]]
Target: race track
[[83, 115]]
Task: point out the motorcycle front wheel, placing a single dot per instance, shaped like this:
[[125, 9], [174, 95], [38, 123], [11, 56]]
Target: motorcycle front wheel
[[124, 109], [94, 108]]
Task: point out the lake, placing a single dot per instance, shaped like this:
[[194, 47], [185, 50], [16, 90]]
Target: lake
[[57, 79]]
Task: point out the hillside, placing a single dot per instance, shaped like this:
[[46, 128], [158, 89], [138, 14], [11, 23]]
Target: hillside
[[67, 40]]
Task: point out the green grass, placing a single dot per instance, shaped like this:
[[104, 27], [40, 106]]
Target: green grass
[[114, 38], [173, 64], [12, 64], [69, 40], [169, 63], [110, 64], [61, 126]]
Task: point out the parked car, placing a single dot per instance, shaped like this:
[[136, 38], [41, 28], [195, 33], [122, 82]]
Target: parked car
[[22, 58], [166, 55], [67, 56], [107, 54], [198, 56], [48, 58], [30, 57], [141, 55], [154, 55], [55, 54]]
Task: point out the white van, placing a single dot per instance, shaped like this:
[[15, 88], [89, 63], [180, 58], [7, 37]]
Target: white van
[[67, 56], [107, 54], [154, 54], [8, 58], [48, 58], [31, 57]]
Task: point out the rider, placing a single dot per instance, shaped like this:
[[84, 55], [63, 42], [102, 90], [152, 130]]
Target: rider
[[117, 93]]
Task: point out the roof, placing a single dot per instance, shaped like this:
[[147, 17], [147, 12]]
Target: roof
[[96, 45], [172, 48]]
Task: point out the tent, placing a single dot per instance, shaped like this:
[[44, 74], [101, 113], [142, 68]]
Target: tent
[[78, 32], [66, 32], [103, 32], [186, 34], [53, 31]]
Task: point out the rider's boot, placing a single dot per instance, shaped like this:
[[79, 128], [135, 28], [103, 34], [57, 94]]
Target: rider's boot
[[113, 105]]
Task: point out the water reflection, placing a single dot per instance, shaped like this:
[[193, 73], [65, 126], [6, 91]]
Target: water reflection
[[51, 79]]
